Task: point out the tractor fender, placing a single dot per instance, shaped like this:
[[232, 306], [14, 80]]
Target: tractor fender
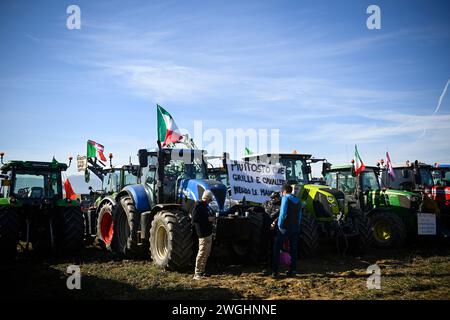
[[147, 217], [139, 196], [106, 200]]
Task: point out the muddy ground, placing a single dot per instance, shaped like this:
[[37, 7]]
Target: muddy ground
[[419, 271]]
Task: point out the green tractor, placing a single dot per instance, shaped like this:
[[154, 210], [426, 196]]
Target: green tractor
[[392, 213], [99, 220], [34, 210], [326, 214]]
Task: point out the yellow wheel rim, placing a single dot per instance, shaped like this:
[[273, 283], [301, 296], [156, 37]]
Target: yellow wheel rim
[[382, 231], [162, 240]]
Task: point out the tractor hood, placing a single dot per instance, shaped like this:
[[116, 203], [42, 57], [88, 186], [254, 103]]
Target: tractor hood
[[194, 189]]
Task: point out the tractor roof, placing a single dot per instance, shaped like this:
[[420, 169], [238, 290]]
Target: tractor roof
[[195, 151], [411, 166], [294, 156], [347, 167], [34, 166]]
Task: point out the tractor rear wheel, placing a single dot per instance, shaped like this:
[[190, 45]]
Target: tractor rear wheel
[[365, 235], [9, 233], [105, 226], [308, 240], [126, 223], [171, 240], [72, 231], [389, 231]]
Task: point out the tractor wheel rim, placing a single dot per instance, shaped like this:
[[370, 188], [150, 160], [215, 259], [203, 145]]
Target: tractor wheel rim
[[382, 231], [106, 227], [162, 241]]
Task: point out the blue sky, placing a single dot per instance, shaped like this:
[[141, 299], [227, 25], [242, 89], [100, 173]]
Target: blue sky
[[309, 68]]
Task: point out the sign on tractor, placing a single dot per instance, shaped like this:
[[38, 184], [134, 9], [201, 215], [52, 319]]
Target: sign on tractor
[[255, 181]]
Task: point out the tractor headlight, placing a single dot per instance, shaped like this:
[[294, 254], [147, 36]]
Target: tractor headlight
[[330, 199], [414, 198]]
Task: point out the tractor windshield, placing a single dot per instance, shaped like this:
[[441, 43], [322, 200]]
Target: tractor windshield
[[295, 170], [369, 180], [425, 177], [111, 182], [36, 185], [342, 180], [129, 179]]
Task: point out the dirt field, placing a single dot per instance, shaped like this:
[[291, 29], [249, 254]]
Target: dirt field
[[417, 272]]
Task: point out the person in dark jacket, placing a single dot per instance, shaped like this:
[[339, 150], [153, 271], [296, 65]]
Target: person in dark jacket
[[288, 229], [203, 226]]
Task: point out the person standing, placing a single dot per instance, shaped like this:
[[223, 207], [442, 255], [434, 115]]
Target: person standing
[[288, 229], [203, 226]]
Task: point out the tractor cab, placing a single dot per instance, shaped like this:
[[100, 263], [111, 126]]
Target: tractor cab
[[412, 177], [441, 175], [115, 179], [32, 182], [178, 176], [298, 168]]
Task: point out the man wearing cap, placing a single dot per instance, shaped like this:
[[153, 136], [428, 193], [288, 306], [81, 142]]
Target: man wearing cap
[[203, 226]]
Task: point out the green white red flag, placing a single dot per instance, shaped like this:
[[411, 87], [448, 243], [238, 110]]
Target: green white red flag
[[359, 164], [95, 150], [168, 132]]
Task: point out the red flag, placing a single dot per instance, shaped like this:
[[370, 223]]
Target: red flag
[[70, 194]]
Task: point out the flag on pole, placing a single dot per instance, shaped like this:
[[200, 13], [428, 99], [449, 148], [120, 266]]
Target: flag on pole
[[95, 150], [70, 194], [168, 132], [359, 164], [389, 166]]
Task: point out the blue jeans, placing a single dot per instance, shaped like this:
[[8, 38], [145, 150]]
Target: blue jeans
[[292, 236]]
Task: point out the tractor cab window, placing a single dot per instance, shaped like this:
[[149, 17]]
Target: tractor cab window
[[294, 171], [331, 179], [343, 181], [36, 186], [402, 182], [129, 179], [369, 181], [425, 177], [112, 181]]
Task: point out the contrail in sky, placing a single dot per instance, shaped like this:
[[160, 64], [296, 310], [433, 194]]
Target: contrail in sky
[[438, 105]]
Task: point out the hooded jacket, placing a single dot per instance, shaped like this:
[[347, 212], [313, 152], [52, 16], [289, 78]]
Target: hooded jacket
[[290, 214]]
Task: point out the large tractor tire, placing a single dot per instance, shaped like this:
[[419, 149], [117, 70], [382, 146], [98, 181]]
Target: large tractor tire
[[364, 240], [72, 231], [249, 251], [126, 223], [9, 233], [171, 240], [105, 226], [308, 240], [389, 231]]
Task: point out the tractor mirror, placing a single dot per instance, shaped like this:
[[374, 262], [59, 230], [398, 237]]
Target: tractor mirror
[[405, 173], [143, 158]]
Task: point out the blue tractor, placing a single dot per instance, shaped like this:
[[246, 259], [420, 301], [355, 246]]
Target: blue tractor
[[154, 216]]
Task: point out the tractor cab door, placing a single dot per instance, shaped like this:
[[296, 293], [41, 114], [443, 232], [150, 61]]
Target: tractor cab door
[[150, 179]]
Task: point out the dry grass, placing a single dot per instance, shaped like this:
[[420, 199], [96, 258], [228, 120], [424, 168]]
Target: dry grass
[[413, 273]]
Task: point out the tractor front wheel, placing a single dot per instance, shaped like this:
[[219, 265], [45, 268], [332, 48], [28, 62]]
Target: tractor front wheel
[[389, 231], [361, 224], [171, 240], [126, 223], [308, 240], [9, 233]]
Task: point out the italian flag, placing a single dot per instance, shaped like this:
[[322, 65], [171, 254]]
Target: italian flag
[[95, 149], [168, 131], [359, 164], [70, 194]]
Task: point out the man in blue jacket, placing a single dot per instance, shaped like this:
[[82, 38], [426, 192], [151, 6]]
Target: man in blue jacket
[[288, 229]]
